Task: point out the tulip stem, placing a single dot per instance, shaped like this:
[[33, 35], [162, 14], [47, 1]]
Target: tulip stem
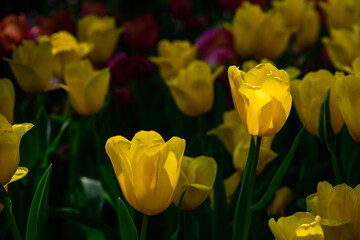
[[336, 168], [242, 218], [144, 227]]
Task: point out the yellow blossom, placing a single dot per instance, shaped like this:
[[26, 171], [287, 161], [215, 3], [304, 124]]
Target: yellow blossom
[[283, 197], [196, 179], [147, 169], [102, 33], [341, 13], [7, 99]]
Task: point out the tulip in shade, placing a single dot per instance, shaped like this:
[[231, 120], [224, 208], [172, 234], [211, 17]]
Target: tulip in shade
[[10, 137], [87, 88], [347, 93], [32, 66], [65, 49], [283, 197], [173, 56], [147, 169], [197, 178], [102, 33], [343, 46], [7, 99], [193, 88], [261, 97], [309, 94], [341, 13], [237, 141]]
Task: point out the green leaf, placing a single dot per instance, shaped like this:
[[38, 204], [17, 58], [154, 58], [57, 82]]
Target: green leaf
[[36, 212], [5, 200], [176, 233], [126, 224], [326, 131], [75, 216], [275, 182]]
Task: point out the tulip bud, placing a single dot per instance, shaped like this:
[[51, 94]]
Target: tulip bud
[[197, 178], [147, 169]]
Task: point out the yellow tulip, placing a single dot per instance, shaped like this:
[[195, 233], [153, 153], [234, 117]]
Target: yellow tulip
[[261, 98], [237, 141], [347, 93], [302, 16], [173, 56], [343, 46], [341, 13], [246, 22], [7, 99], [309, 94], [197, 178], [65, 49], [341, 204], [32, 66], [283, 197], [193, 88], [87, 88], [147, 169], [301, 225], [10, 137], [102, 33]]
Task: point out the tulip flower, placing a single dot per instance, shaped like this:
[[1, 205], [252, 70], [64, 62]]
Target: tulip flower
[[283, 197], [193, 88], [301, 225], [87, 88], [102, 33], [261, 97], [341, 204], [10, 137], [309, 94], [7, 99], [347, 93], [173, 56], [302, 16], [147, 169], [65, 49], [196, 179], [237, 141], [32, 66], [343, 46], [266, 34], [341, 13]]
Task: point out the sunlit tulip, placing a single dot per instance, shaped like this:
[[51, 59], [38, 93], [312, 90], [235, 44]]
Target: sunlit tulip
[[302, 16], [340, 203], [343, 46], [261, 98], [87, 88], [347, 93], [309, 94], [7, 99], [32, 66], [193, 88], [147, 169], [283, 197], [341, 13], [10, 137], [173, 56], [237, 141], [196, 179], [301, 225], [65, 49], [102, 33]]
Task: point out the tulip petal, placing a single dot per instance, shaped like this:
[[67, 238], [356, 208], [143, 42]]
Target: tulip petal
[[19, 174]]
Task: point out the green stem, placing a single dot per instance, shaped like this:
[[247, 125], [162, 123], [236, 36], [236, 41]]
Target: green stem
[[336, 168], [241, 227], [144, 227]]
